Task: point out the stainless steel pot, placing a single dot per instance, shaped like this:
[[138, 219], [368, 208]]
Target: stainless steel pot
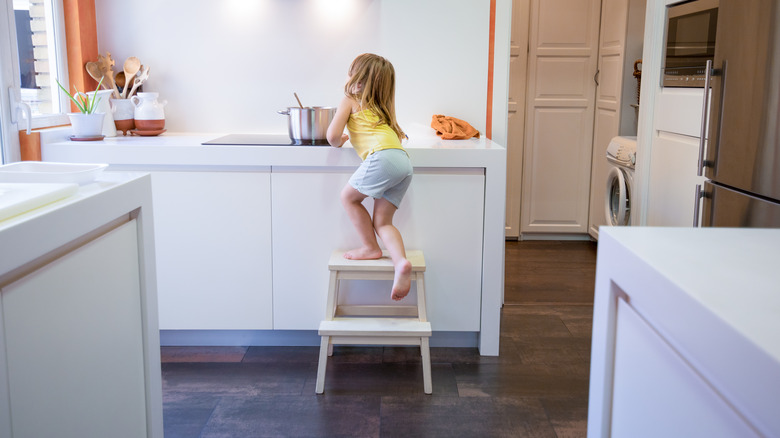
[[308, 123]]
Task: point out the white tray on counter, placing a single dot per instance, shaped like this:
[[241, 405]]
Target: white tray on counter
[[18, 198], [50, 172]]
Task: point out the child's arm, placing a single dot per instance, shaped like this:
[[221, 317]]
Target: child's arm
[[336, 135]]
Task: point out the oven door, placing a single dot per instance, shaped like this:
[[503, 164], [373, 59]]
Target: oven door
[[690, 42]]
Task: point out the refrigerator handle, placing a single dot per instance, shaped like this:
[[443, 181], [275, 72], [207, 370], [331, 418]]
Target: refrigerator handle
[[699, 195], [704, 116]]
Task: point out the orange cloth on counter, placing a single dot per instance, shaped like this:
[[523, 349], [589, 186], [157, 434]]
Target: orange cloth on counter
[[450, 128]]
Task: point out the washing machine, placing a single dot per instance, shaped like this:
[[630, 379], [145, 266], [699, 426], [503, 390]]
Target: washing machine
[[621, 155]]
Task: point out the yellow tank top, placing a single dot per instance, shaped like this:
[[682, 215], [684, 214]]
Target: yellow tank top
[[367, 138]]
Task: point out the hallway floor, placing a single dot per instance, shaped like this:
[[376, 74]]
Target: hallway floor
[[536, 387]]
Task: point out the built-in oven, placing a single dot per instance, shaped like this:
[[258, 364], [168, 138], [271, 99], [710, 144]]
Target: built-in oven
[[690, 42]]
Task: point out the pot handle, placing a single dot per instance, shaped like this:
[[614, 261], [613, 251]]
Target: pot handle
[[284, 112]]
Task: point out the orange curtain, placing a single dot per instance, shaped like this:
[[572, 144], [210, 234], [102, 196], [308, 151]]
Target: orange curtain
[[81, 41]]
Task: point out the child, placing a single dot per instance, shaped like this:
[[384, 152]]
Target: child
[[368, 112]]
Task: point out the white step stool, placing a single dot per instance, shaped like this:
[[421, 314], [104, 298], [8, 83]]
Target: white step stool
[[374, 324]]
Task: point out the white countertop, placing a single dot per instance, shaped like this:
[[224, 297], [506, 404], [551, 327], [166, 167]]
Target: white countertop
[[424, 147], [29, 235], [714, 295]]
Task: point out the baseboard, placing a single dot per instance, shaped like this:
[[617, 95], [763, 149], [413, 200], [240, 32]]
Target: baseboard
[[553, 236], [290, 338]]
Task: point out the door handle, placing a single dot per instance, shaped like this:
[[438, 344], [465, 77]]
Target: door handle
[[699, 195], [596, 77], [704, 115]]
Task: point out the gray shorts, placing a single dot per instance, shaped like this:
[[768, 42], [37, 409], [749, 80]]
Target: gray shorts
[[384, 174]]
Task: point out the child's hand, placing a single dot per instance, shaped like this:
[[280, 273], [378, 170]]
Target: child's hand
[[344, 138]]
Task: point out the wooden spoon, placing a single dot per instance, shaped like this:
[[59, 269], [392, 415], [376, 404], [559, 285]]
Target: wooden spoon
[[142, 77], [120, 81], [299, 100], [93, 68], [131, 67]]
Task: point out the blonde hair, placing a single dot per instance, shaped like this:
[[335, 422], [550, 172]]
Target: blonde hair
[[372, 86]]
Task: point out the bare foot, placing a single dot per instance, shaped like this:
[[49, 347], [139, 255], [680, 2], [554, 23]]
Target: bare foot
[[363, 254], [403, 280]]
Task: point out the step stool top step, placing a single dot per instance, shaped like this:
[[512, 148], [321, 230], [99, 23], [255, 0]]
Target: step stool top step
[[339, 263], [374, 327]]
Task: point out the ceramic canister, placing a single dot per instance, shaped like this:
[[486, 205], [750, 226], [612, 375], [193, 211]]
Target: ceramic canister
[[148, 114], [124, 113]]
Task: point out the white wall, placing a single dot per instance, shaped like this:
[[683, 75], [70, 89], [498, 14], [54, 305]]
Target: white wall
[[227, 66]]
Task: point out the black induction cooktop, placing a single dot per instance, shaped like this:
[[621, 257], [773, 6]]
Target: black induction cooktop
[[262, 140]]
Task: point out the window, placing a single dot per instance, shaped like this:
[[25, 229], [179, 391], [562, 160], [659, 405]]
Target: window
[[40, 45], [32, 54]]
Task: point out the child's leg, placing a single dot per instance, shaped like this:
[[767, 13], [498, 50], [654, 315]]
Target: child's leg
[[383, 223], [352, 200]]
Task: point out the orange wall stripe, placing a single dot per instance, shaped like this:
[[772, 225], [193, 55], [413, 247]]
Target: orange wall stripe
[[30, 146], [81, 42], [491, 50]]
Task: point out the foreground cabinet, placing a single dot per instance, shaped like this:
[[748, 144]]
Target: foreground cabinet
[[647, 372], [83, 312], [79, 343], [683, 350]]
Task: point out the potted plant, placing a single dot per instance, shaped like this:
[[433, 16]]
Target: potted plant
[[87, 123]]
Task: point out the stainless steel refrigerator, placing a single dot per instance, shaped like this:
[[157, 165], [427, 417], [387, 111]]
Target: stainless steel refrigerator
[[742, 162]]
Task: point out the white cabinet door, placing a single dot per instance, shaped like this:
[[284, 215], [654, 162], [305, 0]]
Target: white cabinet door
[[74, 343], [657, 394], [559, 117], [213, 248], [673, 180], [442, 214]]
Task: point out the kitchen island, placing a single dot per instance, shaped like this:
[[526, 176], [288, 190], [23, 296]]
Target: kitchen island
[[244, 234], [79, 341]]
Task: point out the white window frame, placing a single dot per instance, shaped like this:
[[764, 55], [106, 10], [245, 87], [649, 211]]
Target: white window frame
[[58, 41], [10, 81]]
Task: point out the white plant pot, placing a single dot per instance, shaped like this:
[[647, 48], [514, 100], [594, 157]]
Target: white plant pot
[[86, 125]]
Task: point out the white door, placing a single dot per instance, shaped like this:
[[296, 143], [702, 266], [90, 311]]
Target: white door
[[518, 75], [559, 117], [612, 42]]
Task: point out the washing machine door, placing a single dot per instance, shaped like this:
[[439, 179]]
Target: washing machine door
[[617, 200]]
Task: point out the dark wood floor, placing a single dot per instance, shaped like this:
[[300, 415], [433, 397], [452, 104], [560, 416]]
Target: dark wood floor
[[536, 387]]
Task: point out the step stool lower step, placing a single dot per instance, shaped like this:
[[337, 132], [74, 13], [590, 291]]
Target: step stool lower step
[[375, 327]]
